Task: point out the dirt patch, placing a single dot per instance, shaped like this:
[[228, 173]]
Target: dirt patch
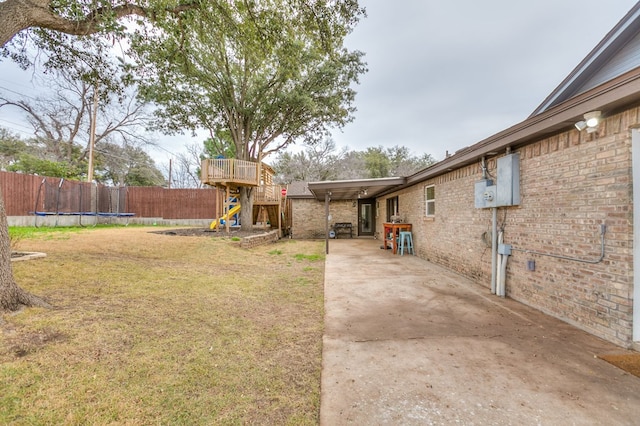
[[22, 255], [627, 362], [26, 343]]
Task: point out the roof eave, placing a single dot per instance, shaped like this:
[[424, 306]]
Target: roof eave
[[603, 51], [350, 189]]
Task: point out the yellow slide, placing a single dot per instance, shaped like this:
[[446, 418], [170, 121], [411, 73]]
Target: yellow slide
[[235, 209]]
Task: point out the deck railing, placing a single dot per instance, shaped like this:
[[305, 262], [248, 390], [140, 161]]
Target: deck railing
[[267, 193], [229, 170]]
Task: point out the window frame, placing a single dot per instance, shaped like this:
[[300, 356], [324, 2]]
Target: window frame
[[429, 201]]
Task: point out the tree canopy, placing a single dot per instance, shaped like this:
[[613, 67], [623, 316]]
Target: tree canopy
[[262, 74], [322, 162], [267, 73], [317, 162], [115, 163], [79, 36]]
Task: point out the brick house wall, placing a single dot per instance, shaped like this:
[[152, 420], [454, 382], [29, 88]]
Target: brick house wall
[[570, 183], [308, 219]]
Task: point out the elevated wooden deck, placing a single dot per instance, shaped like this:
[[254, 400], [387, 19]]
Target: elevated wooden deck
[[229, 172], [265, 195]]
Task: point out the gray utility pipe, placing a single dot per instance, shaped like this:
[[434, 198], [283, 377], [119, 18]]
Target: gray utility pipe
[[494, 248], [603, 230], [501, 285]]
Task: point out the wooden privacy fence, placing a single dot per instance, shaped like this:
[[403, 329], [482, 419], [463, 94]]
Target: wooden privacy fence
[[29, 194]]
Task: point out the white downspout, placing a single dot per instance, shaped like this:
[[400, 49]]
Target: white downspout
[[635, 170]]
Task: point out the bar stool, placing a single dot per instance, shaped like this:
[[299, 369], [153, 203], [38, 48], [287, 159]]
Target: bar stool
[[406, 240]]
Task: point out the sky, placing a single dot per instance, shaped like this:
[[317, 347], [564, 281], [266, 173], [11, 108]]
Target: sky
[[442, 75]]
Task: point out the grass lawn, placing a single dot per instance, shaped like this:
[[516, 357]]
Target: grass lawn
[[163, 329]]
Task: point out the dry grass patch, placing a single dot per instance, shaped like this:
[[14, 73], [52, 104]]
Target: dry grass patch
[[162, 329], [629, 362]]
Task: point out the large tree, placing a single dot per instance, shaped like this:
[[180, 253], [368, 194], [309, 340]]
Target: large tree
[[184, 170], [267, 73], [383, 162], [317, 162], [127, 164], [60, 145], [11, 146], [49, 21], [307, 36], [323, 162]]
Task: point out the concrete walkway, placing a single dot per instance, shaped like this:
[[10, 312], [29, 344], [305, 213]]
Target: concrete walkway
[[407, 342]]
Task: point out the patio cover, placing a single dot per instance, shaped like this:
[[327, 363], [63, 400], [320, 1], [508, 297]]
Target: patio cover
[[353, 189]]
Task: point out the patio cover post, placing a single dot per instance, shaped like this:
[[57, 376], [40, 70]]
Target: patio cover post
[[327, 196]]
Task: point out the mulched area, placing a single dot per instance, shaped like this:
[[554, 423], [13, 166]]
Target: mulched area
[[627, 362], [206, 232]]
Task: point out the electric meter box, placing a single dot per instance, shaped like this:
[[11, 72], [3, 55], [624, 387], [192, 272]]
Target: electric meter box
[[485, 194], [505, 191]]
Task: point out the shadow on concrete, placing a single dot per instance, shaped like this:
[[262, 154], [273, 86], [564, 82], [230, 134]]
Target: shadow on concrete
[[409, 342]]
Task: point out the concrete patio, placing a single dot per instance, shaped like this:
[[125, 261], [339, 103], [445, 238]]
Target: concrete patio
[[407, 342]]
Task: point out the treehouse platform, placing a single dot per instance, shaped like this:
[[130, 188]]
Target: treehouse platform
[[229, 174]]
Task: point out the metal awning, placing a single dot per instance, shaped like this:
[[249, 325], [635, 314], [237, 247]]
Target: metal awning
[[353, 189], [337, 190]]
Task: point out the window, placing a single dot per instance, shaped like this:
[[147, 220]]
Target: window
[[392, 208], [430, 200]]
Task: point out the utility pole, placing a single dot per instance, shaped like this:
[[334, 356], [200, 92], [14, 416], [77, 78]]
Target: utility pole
[[92, 133]]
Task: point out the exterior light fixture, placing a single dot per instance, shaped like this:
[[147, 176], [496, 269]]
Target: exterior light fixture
[[592, 118], [590, 122], [581, 125]]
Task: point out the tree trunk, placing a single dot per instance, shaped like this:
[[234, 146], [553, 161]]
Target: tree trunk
[[246, 212], [12, 297], [15, 17]]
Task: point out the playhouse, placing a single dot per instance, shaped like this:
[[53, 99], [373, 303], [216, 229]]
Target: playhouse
[[227, 175]]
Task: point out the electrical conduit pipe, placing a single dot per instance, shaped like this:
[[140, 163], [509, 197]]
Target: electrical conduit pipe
[[499, 271], [494, 248], [501, 291]]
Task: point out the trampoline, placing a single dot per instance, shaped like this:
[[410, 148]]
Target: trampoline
[[80, 199]]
